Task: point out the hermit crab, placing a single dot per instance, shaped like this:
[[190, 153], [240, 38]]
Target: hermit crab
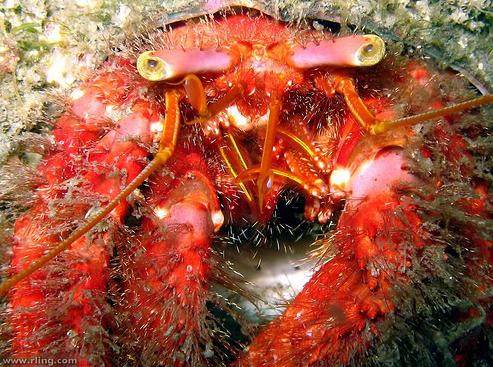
[[206, 124]]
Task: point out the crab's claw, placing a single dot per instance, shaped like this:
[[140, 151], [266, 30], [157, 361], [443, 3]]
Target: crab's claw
[[338, 310], [167, 273]]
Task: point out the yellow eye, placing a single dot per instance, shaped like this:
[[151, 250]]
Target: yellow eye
[[371, 52], [151, 67]]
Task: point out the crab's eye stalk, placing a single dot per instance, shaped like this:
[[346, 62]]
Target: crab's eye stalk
[[169, 64], [151, 67], [349, 51], [371, 52]]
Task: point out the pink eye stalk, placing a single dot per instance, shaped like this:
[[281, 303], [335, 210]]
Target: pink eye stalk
[[354, 50], [173, 64]]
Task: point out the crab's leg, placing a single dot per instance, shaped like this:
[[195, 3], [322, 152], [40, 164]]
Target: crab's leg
[[167, 274], [171, 125], [64, 316]]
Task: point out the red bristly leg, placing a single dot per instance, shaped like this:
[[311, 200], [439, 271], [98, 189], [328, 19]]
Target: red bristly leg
[[53, 316], [167, 274], [337, 312]]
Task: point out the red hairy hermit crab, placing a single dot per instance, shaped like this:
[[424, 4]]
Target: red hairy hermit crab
[[206, 124]]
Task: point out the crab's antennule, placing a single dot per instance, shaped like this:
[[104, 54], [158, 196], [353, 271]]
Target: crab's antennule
[[383, 126]]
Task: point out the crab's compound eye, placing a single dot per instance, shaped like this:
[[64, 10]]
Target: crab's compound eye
[[152, 64], [371, 52], [151, 67]]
